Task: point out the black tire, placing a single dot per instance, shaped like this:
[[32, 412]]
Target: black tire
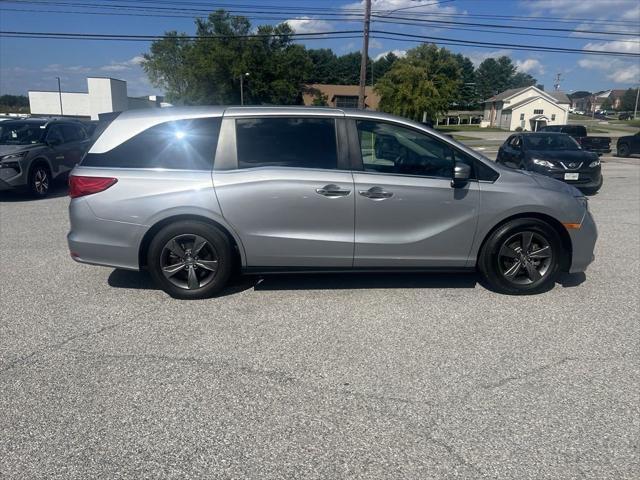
[[494, 266], [217, 250], [623, 150], [40, 180]]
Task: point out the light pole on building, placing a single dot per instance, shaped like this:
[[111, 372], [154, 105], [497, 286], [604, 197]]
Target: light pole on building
[[246, 74]]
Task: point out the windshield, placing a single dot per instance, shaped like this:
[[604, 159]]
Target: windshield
[[550, 142], [20, 133]]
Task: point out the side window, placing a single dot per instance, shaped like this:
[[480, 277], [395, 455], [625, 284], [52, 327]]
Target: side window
[[390, 148], [73, 133], [178, 145], [54, 135], [286, 142], [515, 142]]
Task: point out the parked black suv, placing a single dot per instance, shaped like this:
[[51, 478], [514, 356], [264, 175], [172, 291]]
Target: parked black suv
[[553, 154], [35, 151]]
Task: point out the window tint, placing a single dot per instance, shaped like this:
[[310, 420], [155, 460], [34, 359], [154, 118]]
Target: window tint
[[73, 133], [514, 141], [286, 142], [54, 134], [389, 148], [179, 145]]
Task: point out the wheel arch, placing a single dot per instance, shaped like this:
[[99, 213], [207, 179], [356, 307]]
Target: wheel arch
[[39, 161], [552, 222], [143, 249]]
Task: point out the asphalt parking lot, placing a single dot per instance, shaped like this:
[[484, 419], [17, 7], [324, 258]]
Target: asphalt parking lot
[[394, 376]]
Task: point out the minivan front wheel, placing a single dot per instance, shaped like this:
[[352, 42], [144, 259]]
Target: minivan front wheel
[[190, 259], [521, 257]]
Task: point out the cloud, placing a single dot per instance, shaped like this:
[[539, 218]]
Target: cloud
[[375, 44], [530, 65], [397, 53], [480, 56], [122, 66], [308, 25], [383, 7], [596, 9], [616, 69]]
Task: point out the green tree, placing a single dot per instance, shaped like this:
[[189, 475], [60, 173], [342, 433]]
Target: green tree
[[426, 80], [324, 66], [207, 70], [381, 66], [14, 104], [628, 100], [606, 105], [497, 75], [467, 97]]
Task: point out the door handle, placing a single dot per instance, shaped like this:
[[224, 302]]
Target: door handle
[[332, 190], [376, 193]]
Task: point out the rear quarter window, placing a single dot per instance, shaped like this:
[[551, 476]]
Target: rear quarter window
[[178, 145]]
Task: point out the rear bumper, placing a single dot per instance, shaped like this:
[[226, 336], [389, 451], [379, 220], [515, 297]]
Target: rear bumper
[[97, 241], [583, 242]]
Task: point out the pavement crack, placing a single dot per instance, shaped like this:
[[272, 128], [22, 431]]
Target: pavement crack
[[59, 345], [529, 373]]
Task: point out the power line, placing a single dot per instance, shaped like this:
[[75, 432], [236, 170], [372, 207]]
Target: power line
[[327, 19], [323, 35], [237, 8]]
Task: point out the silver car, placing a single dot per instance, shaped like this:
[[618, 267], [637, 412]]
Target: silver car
[[193, 193]]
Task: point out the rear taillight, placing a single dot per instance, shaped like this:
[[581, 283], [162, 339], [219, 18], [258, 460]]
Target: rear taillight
[[80, 186]]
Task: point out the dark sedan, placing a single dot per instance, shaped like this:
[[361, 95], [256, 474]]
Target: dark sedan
[[556, 155]]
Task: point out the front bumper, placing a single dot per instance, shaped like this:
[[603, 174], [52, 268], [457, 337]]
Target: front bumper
[[583, 241], [587, 177], [12, 178]]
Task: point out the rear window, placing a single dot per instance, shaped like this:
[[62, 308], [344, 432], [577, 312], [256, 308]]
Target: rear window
[[575, 130], [287, 142], [179, 145]]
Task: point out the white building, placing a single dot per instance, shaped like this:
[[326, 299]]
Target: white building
[[104, 95], [528, 108]]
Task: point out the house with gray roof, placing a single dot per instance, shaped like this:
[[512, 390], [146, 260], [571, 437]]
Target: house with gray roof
[[528, 108]]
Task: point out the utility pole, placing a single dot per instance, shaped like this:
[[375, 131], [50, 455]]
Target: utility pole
[[635, 110], [556, 84], [365, 54], [60, 96]]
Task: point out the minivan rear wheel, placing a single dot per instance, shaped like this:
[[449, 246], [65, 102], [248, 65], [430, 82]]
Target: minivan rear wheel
[[190, 259], [521, 257]]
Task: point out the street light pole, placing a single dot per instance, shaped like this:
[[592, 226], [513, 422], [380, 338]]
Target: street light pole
[[635, 110], [242, 87], [60, 96], [365, 55]]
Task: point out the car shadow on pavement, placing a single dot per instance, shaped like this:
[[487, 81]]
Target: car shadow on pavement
[[371, 280], [58, 189], [133, 280]]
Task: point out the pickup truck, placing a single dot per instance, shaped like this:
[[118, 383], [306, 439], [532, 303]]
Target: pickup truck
[[598, 145]]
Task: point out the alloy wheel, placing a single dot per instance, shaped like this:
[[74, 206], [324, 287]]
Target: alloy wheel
[[525, 258], [189, 261], [41, 181]]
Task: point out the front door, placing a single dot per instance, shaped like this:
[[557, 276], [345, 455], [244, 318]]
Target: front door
[[407, 212], [286, 192]]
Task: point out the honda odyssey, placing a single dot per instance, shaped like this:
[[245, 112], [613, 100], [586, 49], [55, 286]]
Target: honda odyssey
[[193, 193]]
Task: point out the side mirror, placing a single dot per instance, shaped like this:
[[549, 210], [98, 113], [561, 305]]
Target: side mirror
[[461, 174]]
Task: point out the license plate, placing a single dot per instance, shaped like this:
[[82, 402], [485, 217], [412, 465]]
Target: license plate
[[571, 176]]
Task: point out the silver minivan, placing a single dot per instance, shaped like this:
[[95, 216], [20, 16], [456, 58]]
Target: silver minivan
[[193, 193]]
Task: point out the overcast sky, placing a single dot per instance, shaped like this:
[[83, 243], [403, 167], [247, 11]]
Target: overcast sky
[[34, 64]]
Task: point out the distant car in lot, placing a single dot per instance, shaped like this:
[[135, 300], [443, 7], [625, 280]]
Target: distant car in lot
[[556, 155], [625, 116], [628, 145], [192, 193], [34, 152], [597, 144]]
